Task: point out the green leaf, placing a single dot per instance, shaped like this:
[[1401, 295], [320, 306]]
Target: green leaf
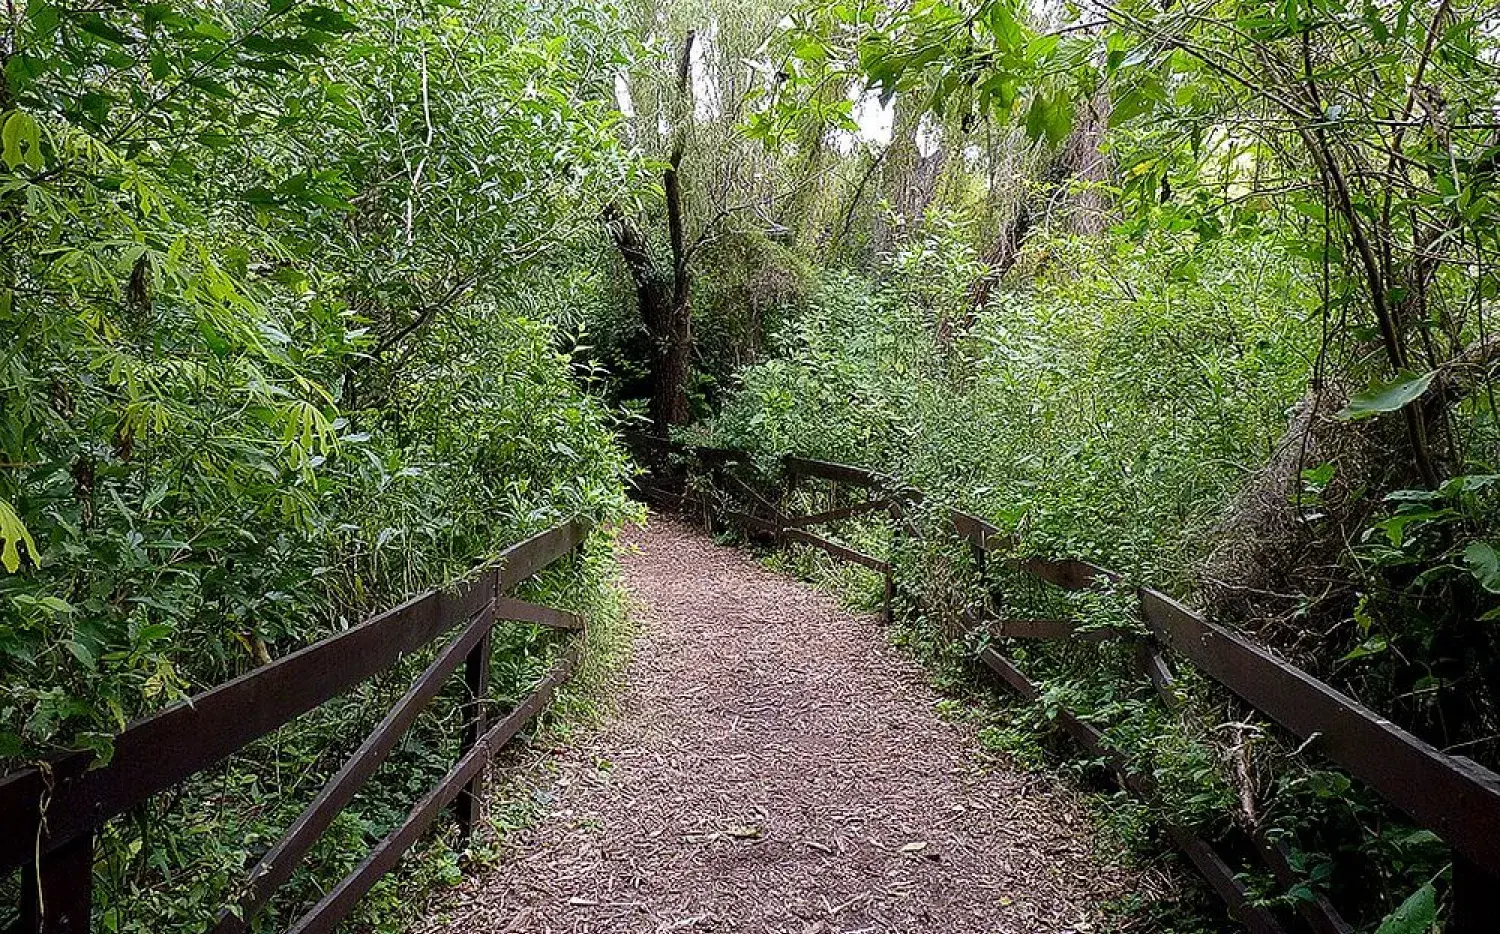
[[99, 27], [1050, 117], [21, 141], [12, 534], [1387, 396], [1415, 916], [1395, 526], [1484, 564], [1003, 26], [1374, 645]]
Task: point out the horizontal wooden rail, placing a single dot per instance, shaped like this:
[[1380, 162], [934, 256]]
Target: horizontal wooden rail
[[842, 512], [1453, 797], [511, 608], [48, 816], [842, 473], [838, 551], [1458, 801], [279, 862], [161, 750], [324, 917]]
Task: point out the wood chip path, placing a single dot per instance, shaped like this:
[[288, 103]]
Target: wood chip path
[[775, 766]]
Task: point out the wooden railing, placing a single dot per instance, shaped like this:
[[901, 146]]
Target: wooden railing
[[48, 816], [1455, 798]]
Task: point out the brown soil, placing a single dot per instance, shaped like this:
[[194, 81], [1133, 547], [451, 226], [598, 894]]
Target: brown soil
[[775, 766]]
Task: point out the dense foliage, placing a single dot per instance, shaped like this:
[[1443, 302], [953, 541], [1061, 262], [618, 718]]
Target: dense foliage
[[308, 306], [275, 356], [276, 282], [1203, 292]]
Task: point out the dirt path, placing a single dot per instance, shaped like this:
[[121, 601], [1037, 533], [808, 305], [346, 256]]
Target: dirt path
[[775, 766]]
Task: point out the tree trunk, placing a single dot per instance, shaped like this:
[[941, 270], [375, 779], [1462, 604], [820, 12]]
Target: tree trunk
[[664, 298], [1080, 158]]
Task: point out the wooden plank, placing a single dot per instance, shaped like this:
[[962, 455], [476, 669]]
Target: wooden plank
[[834, 515], [324, 917], [1010, 674], [511, 608], [469, 807], [1067, 573], [837, 550], [755, 495], [1153, 666], [167, 747], [521, 561], [977, 531], [278, 864], [1224, 881], [1458, 802], [57, 892], [1317, 913], [842, 473]]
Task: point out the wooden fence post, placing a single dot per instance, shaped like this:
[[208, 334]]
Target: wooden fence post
[[890, 596], [897, 513], [470, 803], [57, 891], [1476, 899]]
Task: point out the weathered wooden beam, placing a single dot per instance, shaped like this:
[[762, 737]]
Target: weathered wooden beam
[[828, 470], [834, 515], [1458, 802], [1153, 666], [977, 531], [325, 916], [511, 608], [1317, 912], [837, 550], [167, 747], [279, 862]]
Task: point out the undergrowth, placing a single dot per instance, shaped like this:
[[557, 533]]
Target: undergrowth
[[176, 860]]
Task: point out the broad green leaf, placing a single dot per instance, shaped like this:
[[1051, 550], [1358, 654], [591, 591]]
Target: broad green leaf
[[1484, 564], [21, 141], [12, 534], [1415, 916], [1374, 645], [98, 26], [1395, 526], [1388, 396]]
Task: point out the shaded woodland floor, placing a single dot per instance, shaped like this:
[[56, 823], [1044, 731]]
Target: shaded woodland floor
[[775, 766]]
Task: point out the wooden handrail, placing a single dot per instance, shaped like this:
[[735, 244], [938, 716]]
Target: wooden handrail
[[48, 816], [1449, 795]]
